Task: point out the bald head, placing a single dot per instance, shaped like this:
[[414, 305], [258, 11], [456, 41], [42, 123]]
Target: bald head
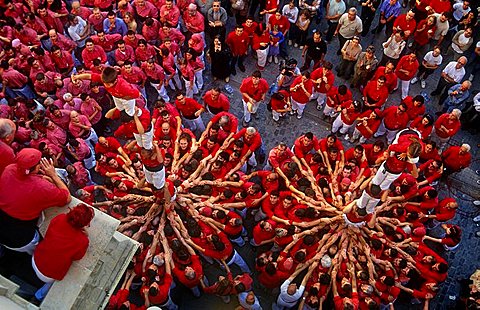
[[7, 130]]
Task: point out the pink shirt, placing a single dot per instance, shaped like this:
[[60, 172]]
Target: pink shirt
[[76, 131], [57, 135], [148, 10], [15, 78], [89, 107], [61, 121], [81, 177], [194, 23]]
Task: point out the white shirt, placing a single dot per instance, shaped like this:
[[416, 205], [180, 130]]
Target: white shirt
[[476, 102], [463, 40], [459, 11], [442, 28], [394, 49], [287, 298], [456, 74], [241, 299], [289, 13], [432, 60], [76, 30], [336, 8]]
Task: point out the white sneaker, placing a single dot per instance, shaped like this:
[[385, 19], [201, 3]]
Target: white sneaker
[[477, 203], [301, 47], [270, 58], [471, 77], [299, 116], [295, 45], [423, 84], [414, 80], [347, 137], [289, 42], [275, 59]]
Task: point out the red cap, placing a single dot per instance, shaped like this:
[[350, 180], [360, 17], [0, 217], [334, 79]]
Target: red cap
[[346, 181], [28, 158]]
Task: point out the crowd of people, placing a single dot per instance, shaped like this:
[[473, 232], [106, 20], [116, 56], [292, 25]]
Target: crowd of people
[[106, 101]]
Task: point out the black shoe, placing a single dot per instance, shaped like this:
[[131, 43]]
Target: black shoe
[[245, 124], [242, 68], [434, 93], [234, 72]]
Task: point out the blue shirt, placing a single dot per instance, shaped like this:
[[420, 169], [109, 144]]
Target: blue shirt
[[120, 27], [460, 97], [389, 10]]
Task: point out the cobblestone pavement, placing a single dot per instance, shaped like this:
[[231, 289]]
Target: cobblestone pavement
[[463, 186]]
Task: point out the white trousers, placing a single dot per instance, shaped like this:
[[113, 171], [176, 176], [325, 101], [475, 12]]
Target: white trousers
[[29, 248], [320, 97], [156, 178], [189, 92], [145, 140], [339, 124], [367, 202], [357, 134], [390, 133], [405, 87], [383, 178], [123, 104], [162, 92], [329, 111], [299, 107], [194, 124], [199, 79], [247, 115], [262, 57]]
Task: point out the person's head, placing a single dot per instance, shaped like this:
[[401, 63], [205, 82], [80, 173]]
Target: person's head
[[455, 115], [80, 216], [402, 108], [355, 41], [352, 13], [192, 9], [410, 15], [216, 5], [445, 17], [468, 32], [74, 116], [127, 66], [465, 85], [381, 81], [327, 66], [461, 62], [464, 149], [7, 130], [109, 76], [437, 51]]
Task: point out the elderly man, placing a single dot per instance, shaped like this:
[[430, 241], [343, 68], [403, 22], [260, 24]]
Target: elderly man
[[7, 134], [457, 95], [446, 126], [452, 74], [27, 187], [289, 293], [456, 158], [349, 25]]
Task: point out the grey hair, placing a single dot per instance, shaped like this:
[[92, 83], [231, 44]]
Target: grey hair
[[457, 112], [352, 10], [251, 130], [6, 128], [466, 146]]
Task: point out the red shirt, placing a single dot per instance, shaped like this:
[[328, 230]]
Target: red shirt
[[442, 212], [324, 147], [61, 245], [256, 92], [220, 103], [113, 146], [77, 131], [277, 160], [253, 143], [375, 96], [412, 110], [405, 63], [97, 53], [231, 126], [417, 124], [440, 6], [301, 150], [283, 24], [391, 77], [453, 126], [393, 164], [394, 120], [372, 124], [189, 108], [238, 44], [260, 234], [7, 156], [453, 160], [196, 266], [404, 25], [300, 95], [25, 197], [334, 99], [349, 114], [121, 89], [321, 86]]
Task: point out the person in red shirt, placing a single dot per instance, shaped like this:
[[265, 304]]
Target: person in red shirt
[[280, 22], [238, 41], [406, 23], [402, 155], [301, 90], [431, 171], [349, 112], [323, 79], [415, 106], [191, 112], [456, 158], [123, 52], [406, 70], [92, 52], [65, 242], [123, 93], [253, 141], [440, 6], [216, 102], [367, 125], [335, 97], [446, 126], [24, 194], [253, 89], [391, 81], [140, 125], [395, 118], [111, 145], [280, 104], [375, 94]]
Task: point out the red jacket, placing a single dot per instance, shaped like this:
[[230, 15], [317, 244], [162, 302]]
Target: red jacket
[[238, 44]]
